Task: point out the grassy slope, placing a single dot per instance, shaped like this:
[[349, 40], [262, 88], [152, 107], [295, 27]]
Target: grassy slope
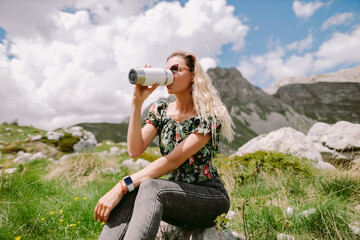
[[261, 186]]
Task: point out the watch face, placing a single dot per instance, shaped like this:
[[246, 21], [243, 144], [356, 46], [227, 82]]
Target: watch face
[[128, 181]]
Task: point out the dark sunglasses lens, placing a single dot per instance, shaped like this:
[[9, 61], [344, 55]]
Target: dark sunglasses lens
[[174, 69]]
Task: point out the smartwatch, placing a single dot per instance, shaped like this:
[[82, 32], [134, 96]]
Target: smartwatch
[[129, 183]]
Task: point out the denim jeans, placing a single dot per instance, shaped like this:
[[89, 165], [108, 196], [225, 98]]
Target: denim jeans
[[192, 206]]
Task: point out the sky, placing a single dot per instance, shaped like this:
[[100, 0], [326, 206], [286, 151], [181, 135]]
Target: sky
[[66, 62]]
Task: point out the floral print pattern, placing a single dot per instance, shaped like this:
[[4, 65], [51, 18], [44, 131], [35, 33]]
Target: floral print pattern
[[198, 167]]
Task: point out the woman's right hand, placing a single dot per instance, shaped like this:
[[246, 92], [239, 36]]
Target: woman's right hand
[[141, 93]]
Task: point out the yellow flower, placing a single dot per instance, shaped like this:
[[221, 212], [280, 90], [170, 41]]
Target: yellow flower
[[18, 238], [84, 198], [61, 211], [72, 225], [60, 220], [102, 223], [78, 222], [53, 212], [42, 219], [76, 198]]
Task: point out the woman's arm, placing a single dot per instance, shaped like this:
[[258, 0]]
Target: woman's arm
[[188, 147], [139, 139]]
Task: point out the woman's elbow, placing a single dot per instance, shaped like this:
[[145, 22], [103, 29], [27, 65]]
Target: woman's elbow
[[134, 154]]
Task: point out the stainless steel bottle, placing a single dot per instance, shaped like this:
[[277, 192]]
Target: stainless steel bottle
[[150, 76]]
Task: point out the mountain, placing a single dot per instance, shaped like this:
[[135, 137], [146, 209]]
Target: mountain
[[328, 102], [254, 112], [346, 75]]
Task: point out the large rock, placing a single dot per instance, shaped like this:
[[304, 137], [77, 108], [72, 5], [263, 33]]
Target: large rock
[[167, 231], [282, 140], [339, 136], [337, 143], [23, 157]]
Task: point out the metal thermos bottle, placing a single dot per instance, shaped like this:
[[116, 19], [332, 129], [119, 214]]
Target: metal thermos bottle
[[151, 76]]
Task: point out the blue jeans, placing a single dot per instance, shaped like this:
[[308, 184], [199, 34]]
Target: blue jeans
[[192, 206]]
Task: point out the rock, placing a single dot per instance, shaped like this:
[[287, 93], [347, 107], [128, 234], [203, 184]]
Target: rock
[[340, 136], [325, 166], [8, 129], [230, 215], [307, 213], [66, 157], [137, 165], [10, 171], [355, 227], [282, 140], [28, 157], [110, 170], [282, 236], [1, 166], [75, 131], [36, 137], [54, 135], [289, 211], [84, 146], [167, 231]]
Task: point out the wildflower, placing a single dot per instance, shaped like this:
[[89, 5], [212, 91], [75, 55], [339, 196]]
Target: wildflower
[[76, 198], [61, 211], [78, 222], [102, 223], [52, 213], [72, 225], [60, 220], [18, 238], [42, 219], [84, 198]]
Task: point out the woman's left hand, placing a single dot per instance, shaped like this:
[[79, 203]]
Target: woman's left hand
[[107, 203]]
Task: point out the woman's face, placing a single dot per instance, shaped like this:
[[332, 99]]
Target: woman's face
[[183, 78]]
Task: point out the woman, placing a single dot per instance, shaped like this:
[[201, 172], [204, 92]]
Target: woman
[[188, 130]]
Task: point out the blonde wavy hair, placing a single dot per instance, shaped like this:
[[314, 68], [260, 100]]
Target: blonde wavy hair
[[206, 98]]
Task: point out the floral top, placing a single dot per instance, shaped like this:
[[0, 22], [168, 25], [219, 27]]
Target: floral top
[[198, 167]]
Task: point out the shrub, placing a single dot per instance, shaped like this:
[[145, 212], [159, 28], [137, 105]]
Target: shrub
[[252, 165], [67, 142]]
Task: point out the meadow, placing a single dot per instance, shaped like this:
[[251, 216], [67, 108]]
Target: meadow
[[271, 193]]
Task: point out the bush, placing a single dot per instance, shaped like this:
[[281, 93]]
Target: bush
[[67, 142], [252, 165]]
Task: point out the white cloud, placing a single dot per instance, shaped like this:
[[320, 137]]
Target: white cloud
[[301, 45], [338, 50], [75, 68], [306, 9], [338, 19]]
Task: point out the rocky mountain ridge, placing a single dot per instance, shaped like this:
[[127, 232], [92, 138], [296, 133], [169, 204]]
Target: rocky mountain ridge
[[328, 102], [345, 75]]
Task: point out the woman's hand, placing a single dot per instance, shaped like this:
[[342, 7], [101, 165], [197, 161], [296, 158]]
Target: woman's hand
[[107, 203], [143, 92]]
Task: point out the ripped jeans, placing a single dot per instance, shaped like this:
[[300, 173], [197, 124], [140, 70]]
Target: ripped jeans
[[139, 213]]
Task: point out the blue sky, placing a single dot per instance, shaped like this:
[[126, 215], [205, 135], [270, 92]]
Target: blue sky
[[65, 62]]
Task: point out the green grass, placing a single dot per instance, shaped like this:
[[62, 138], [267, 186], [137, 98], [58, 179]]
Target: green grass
[[260, 196], [44, 200]]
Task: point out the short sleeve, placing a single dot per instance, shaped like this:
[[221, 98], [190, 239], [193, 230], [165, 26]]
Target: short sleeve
[[155, 114], [204, 127]]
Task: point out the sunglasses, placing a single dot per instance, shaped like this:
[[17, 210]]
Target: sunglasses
[[176, 68]]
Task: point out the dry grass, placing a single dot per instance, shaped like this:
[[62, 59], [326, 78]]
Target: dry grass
[[80, 168]]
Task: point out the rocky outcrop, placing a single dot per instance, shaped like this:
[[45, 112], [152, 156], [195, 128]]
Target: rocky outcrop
[[324, 143], [328, 102], [338, 143]]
